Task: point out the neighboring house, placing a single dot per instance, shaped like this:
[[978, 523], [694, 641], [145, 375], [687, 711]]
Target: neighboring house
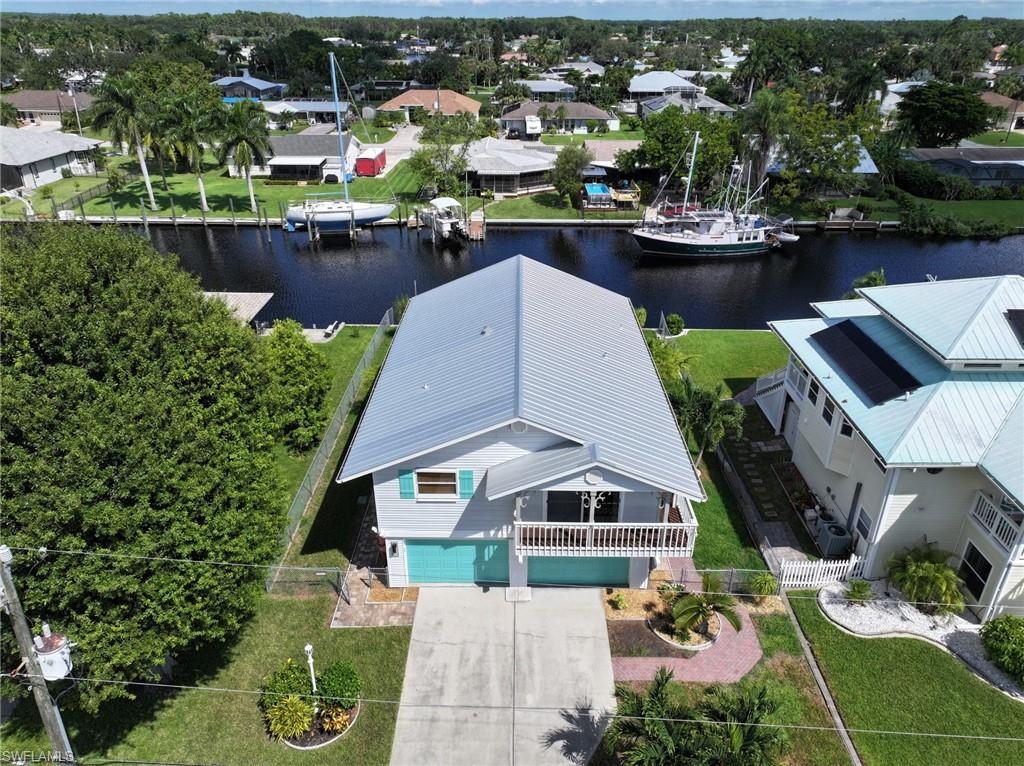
[[1012, 110], [695, 102], [311, 110], [381, 90], [30, 158], [306, 158], [865, 169], [605, 151], [549, 90], [510, 167], [513, 57], [905, 412], [42, 107], [585, 68], [730, 59], [982, 166], [894, 92], [518, 434], [525, 119], [235, 87], [447, 102], [659, 83]]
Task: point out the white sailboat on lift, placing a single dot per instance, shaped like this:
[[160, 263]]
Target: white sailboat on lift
[[316, 214]]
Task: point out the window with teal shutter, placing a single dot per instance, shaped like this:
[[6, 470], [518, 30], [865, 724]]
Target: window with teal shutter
[[465, 484], [406, 491]]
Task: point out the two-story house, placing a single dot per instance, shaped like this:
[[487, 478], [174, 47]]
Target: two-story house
[[904, 409], [518, 433]]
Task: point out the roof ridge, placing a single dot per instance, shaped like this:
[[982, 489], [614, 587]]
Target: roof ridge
[[913, 421], [518, 405], [997, 283]]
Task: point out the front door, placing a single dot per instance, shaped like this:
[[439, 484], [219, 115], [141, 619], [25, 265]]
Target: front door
[[790, 418]]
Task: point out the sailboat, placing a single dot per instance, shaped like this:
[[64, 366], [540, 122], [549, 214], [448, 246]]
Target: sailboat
[[729, 230], [317, 214]]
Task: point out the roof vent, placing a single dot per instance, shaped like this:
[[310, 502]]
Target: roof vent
[[604, 354], [593, 477], [519, 427], [426, 386], [487, 330]]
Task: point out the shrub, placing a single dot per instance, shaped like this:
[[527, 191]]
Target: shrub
[[301, 378], [65, 173], [866, 208], [46, 192], [674, 323], [400, 304], [925, 579], [823, 208], [671, 592], [641, 315], [339, 685], [334, 718], [1003, 639], [290, 679], [859, 592], [291, 717], [619, 602], [764, 584]]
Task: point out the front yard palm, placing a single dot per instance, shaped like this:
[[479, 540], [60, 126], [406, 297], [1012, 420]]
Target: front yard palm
[[694, 610]]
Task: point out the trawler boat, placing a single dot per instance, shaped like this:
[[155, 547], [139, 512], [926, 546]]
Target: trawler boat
[[444, 218]]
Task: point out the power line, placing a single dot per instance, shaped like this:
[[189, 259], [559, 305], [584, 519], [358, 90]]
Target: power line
[[540, 709]]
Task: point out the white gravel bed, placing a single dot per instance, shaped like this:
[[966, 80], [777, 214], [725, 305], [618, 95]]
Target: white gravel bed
[[890, 615]]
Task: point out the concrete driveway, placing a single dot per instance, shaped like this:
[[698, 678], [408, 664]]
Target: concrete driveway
[[493, 683]]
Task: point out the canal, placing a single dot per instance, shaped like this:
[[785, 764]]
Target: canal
[[356, 284]]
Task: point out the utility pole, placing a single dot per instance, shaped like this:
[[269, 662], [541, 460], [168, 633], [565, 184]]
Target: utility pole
[[48, 711]]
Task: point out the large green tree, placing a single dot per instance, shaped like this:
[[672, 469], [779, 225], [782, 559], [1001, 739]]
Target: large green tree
[[300, 378], [244, 137], [667, 136], [941, 114], [122, 108], [135, 423], [567, 174]]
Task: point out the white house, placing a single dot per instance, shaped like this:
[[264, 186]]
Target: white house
[[905, 412], [549, 90], [660, 83], [568, 116], [519, 434], [585, 68], [30, 158], [306, 158]]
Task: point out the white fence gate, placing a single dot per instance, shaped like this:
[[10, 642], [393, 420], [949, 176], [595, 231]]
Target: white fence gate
[[814, 574]]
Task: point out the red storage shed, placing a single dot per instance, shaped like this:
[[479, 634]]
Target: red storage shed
[[371, 162]]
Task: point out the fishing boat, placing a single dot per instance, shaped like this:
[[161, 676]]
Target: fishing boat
[[734, 228], [317, 214], [445, 218]]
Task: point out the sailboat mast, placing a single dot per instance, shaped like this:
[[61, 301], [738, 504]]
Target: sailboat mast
[[337, 124], [689, 176]]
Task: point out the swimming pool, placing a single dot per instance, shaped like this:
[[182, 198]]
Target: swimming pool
[[597, 190]]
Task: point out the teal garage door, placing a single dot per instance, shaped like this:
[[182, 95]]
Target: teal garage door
[[577, 570], [457, 561]]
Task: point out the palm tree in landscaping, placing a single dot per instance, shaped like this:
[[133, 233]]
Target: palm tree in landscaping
[[193, 127], [650, 728], [706, 414], [871, 279], [119, 109], [763, 122], [560, 114], [694, 610], [735, 732], [244, 137]]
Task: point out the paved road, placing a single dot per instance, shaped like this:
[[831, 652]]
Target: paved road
[[492, 683]]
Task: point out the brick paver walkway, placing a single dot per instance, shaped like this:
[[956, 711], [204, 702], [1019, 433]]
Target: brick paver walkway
[[731, 658]]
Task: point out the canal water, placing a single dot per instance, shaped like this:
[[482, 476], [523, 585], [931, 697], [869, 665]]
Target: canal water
[[332, 281]]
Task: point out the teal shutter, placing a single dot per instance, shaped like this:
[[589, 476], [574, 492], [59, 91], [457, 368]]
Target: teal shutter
[[406, 491], [465, 484]]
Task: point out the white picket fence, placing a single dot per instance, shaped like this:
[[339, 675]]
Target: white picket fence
[[814, 574]]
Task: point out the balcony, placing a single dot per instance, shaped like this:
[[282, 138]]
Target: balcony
[[556, 538], [1001, 526]]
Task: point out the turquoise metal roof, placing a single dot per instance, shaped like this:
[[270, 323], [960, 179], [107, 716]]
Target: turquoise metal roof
[[1004, 459], [959, 319]]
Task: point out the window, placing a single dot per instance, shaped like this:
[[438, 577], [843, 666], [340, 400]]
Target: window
[[812, 392], [846, 429], [863, 524], [440, 484], [829, 410], [974, 570]]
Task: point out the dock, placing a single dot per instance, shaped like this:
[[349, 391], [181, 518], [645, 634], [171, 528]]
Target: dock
[[244, 306]]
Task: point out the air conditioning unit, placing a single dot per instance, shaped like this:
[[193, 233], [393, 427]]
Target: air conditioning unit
[[825, 517], [833, 540]]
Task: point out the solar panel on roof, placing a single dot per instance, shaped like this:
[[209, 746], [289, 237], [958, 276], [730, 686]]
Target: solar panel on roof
[[1016, 319], [872, 370]]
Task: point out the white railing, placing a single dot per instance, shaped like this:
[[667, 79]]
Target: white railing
[[991, 517], [797, 380], [814, 574], [770, 382], [546, 538]]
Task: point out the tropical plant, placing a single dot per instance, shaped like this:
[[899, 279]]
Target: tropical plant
[[8, 114], [763, 584], [1003, 639], [398, 307], [761, 125], [651, 729], [940, 114], [641, 315], [871, 279], [115, 180], [705, 414], [671, 592], [244, 138], [335, 719], [736, 732], [195, 125], [1011, 86], [692, 611], [300, 378], [544, 113], [859, 592], [339, 685], [290, 678], [674, 324], [560, 114], [120, 108], [290, 718], [923, 576]]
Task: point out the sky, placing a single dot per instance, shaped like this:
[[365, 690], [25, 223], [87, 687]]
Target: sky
[[589, 9]]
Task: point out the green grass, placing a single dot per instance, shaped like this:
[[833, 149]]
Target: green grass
[[734, 358], [63, 189], [998, 138], [904, 684], [369, 134], [558, 139], [550, 205], [777, 635], [1009, 212], [222, 727], [722, 538], [294, 129]]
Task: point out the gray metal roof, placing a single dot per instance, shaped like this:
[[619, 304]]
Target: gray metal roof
[[659, 82], [521, 341], [494, 157], [547, 86], [20, 147], [539, 468], [1004, 459], [324, 145]]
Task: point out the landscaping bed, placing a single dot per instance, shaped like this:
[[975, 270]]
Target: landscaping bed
[[634, 638]]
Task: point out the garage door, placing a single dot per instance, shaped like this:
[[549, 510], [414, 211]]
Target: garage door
[[577, 570], [457, 561]]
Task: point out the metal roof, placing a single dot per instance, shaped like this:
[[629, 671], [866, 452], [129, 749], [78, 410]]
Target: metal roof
[[494, 157], [20, 146], [952, 419], [574, 110], [659, 82], [547, 86], [308, 105], [959, 319], [1004, 459], [246, 79], [521, 341], [539, 468]]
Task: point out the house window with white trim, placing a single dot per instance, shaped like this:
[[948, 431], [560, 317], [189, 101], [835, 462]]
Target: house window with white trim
[[812, 391], [863, 524], [828, 412], [437, 484], [846, 429], [974, 570]]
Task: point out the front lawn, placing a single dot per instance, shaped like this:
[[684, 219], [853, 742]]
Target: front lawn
[[733, 357], [998, 138], [561, 139], [226, 727], [550, 205], [905, 684], [369, 134]]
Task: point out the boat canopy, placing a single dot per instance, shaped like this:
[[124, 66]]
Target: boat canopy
[[444, 203]]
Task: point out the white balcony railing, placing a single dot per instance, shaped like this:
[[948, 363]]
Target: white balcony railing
[[1000, 526], [770, 382], [546, 538]]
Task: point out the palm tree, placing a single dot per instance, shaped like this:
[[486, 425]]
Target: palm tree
[[119, 108], [736, 732], [871, 279], [1011, 86], [763, 123], [860, 83], [926, 580], [233, 53], [544, 113], [706, 414], [194, 125], [560, 114], [650, 729], [244, 137], [8, 114], [692, 611]]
